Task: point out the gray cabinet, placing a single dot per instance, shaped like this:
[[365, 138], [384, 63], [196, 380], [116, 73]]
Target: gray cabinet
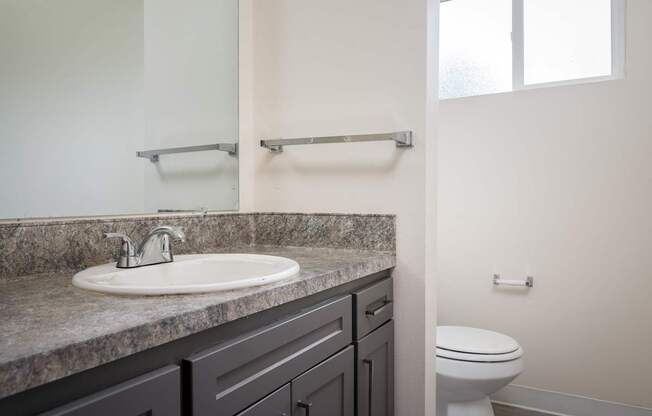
[[226, 379], [327, 389], [278, 403], [154, 394], [375, 372], [327, 355]]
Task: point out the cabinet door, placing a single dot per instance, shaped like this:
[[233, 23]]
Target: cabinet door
[[154, 394], [327, 389], [278, 403], [375, 372], [230, 377]]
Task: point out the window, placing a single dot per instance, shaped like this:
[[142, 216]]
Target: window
[[492, 46]]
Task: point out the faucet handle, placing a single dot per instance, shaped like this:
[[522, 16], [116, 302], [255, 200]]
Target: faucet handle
[[128, 256], [122, 236], [176, 233]]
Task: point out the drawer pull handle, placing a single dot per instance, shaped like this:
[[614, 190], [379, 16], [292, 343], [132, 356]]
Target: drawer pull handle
[[370, 363], [305, 406], [379, 309]]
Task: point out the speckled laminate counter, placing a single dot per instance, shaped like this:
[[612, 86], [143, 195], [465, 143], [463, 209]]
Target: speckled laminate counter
[[51, 329]]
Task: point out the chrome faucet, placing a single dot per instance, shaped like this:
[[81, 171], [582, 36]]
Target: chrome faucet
[[156, 248]]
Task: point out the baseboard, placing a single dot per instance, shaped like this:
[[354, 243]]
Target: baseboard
[[563, 404]]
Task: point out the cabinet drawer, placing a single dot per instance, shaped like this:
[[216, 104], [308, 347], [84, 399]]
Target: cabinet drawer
[[228, 378], [278, 403], [372, 307], [154, 394], [375, 372]]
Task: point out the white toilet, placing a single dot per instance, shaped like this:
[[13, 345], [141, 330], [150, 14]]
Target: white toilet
[[471, 365]]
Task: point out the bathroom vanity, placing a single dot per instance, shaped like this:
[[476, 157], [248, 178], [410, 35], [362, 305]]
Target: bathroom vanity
[[318, 343], [313, 356]]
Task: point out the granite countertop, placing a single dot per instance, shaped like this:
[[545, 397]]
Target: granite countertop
[[51, 329]]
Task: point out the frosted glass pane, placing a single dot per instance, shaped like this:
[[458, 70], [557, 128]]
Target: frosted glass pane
[[566, 39], [475, 47]]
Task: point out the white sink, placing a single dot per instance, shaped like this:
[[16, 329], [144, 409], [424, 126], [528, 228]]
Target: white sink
[[197, 273]]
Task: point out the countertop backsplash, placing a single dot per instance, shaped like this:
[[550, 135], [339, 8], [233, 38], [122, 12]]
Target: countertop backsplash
[[45, 246]]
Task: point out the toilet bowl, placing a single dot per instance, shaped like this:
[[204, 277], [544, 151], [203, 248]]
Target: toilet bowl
[[472, 364]]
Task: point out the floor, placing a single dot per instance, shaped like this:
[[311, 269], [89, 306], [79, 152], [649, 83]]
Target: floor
[[502, 410]]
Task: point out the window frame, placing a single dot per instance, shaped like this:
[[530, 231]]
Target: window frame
[[618, 8]]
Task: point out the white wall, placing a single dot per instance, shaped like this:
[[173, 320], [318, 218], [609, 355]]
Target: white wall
[[341, 67], [556, 182], [71, 91]]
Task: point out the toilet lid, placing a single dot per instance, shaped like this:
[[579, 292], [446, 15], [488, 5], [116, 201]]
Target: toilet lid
[[474, 341]]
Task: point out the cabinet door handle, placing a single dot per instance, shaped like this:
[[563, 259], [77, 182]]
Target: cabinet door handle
[[379, 309], [305, 406], [370, 365]]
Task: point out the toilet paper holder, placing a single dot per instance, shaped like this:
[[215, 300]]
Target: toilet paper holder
[[527, 282]]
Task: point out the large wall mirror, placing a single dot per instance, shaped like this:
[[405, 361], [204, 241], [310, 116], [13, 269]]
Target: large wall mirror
[[89, 88]]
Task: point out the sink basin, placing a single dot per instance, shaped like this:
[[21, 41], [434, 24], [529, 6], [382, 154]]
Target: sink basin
[[197, 273]]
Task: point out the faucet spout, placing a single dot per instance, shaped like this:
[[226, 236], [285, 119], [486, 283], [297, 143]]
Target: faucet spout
[[156, 248]]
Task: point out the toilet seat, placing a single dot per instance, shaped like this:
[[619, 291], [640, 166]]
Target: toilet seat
[[479, 358], [475, 345]]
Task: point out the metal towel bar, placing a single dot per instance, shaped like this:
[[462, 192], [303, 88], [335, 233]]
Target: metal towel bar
[[401, 138], [153, 155]]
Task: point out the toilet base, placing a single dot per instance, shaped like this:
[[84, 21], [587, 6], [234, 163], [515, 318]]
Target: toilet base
[[474, 408]]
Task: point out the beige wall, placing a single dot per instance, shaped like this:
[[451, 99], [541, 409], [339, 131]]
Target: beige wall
[[341, 67], [556, 182]]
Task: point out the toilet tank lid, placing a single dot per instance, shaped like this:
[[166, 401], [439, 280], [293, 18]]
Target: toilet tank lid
[[474, 340]]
